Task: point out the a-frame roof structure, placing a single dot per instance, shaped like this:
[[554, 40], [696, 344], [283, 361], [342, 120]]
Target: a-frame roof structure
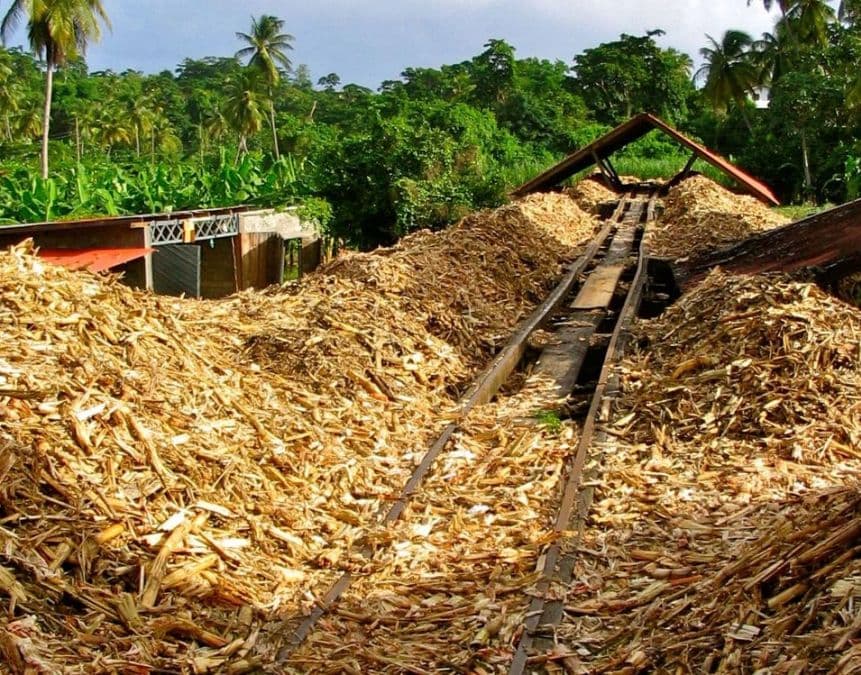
[[599, 151]]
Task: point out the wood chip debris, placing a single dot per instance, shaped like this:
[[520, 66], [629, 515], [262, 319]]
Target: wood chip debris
[[445, 593], [700, 216], [726, 527], [849, 289], [492, 264], [177, 476], [590, 193]]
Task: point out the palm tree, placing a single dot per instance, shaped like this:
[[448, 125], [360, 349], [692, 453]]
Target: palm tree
[[729, 72], [58, 30], [113, 128], [266, 50], [10, 97], [163, 137], [809, 20], [784, 6], [243, 107], [773, 54], [142, 118], [30, 123]]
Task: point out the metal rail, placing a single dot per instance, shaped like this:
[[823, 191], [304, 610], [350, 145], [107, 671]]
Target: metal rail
[[545, 613], [482, 390]]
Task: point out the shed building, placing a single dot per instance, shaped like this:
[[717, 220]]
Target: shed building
[[201, 254]]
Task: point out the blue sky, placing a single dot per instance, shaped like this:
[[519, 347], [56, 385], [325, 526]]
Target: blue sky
[[374, 40]]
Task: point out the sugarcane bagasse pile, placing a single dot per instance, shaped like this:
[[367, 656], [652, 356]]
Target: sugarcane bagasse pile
[[725, 535], [700, 216], [181, 480], [176, 477]]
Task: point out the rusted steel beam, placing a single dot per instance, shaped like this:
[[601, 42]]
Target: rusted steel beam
[[624, 135], [831, 240]]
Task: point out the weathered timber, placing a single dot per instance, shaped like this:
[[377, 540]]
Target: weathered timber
[[829, 240], [598, 290]]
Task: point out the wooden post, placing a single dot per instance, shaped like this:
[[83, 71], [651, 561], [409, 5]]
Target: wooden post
[[148, 278]]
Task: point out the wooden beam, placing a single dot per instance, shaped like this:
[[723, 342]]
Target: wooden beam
[[597, 292], [614, 175], [830, 240], [602, 168], [681, 175]]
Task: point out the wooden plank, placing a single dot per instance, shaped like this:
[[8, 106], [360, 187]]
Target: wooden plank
[[829, 239], [561, 361], [597, 292]]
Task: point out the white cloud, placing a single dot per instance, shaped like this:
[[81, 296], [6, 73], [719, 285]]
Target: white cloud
[[375, 40]]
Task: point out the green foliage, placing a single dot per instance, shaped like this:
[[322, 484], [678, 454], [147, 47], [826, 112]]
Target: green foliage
[[550, 420], [434, 144], [106, 188], [633, 74], [853, 176]]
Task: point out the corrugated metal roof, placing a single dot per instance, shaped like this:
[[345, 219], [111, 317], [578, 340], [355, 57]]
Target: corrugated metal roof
[[93, 259], [627, 133]]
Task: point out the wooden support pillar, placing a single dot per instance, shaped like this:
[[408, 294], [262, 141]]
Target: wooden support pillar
[[148, 275], [608, 171], [681, 175], [617, 181], [690, 165], [238, 272]]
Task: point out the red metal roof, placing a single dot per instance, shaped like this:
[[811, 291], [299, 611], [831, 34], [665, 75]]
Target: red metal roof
[[627, 133], [93, 259]]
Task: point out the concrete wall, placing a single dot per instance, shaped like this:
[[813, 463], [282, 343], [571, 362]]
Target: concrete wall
[[285, 223]]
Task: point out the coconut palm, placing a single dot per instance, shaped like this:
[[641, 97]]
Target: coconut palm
[[113, 128], [163, 137], [809, 20], [773, 54], [30, 123], [58, 30], [266, 49], [10, 97], [729, 72], [243, 107], [142, 117]]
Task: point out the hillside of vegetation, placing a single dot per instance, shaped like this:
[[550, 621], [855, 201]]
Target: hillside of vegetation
[[433, 145]]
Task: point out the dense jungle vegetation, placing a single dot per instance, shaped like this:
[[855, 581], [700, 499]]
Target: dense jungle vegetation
[[422, 150]]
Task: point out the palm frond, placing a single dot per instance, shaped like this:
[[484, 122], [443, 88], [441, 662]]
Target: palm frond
[[13, 18]]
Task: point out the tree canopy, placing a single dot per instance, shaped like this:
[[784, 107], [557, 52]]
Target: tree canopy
[[431, 145]]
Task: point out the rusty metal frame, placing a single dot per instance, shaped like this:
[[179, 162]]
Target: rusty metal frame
[[624, 135]]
